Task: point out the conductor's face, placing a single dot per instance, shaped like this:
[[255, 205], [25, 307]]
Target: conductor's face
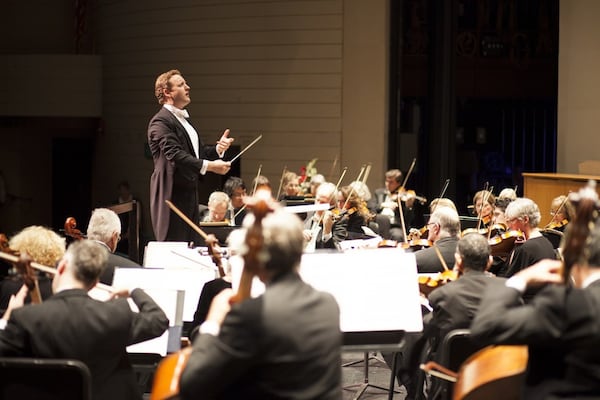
[[179, 93]]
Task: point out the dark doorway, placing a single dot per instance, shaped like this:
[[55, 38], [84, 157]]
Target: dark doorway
[[71, 181]]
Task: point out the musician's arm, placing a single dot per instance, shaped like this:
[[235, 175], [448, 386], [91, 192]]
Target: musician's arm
[[217, 362], [150, 321], [502, 319]]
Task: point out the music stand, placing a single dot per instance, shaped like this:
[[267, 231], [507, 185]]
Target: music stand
[[377, 291]]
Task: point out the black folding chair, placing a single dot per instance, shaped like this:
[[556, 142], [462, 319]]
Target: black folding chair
[[44, 379]]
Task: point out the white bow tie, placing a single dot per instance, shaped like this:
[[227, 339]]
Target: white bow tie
[[181, 113]]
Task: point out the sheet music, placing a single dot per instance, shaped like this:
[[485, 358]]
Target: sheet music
[[171, 303], [190, 281], [376, 289]]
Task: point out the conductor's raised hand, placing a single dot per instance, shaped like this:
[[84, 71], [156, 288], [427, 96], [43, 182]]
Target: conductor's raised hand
[[224, 143], [219, 167]]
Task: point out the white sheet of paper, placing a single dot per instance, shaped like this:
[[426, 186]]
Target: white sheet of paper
[[190, 280], [167, 300], [376, 289]]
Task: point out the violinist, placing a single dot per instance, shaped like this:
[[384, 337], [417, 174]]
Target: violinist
[[483, 207], [71, 324], [320, 227], [219, 208], [388, 212], [290, 186], [524, 215], [561, 211], [45, 247], [315, 181], [443, 231], [454, 304], [560, 325], [235, 188], [104, 228], [353, 210], [284, 344]]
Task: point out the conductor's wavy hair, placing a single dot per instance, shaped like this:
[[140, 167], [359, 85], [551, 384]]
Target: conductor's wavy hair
[[162, 83]]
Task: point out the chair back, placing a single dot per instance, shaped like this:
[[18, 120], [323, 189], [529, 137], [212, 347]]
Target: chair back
[[455, 348], [44, 379]]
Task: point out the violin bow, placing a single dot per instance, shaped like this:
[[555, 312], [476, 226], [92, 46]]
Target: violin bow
[[439, 254], [400, 211], [281, 181], [49, 270], [242, 208], [335, 161], [442, 193], [367, 172], [352, 188], [412, 165], [207, 238]]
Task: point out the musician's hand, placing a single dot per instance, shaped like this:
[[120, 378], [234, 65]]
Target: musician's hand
[[16, 301], [120, 293], [307, 234], [218, 166], [389, 204], [224, 143], [544, 271], [220, 306], [327, 222]]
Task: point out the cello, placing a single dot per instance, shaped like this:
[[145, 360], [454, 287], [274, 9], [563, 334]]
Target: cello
[[169, 370]]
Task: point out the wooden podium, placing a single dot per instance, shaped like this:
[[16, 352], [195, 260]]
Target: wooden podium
[[543, 187]]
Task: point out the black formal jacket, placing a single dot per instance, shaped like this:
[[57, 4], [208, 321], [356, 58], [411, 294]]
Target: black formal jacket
[[175, 176], [428, 260], [284, 344], [115, 260], [72, 325], [562, 328]]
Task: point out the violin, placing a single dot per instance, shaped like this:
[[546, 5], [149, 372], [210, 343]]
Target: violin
[[503, 243], [427, 283], [22, 263], [405, 195], [416, 244], [560, 225]]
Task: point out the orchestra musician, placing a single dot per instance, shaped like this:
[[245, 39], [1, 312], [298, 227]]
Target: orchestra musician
[[562, 211], [71, 324], [524, 215], [179, 158], [353, 210], [483, 207], [444, 230], [45, 247], [219, 208], [454, 307], [235, 188], [388, 212], [290, 185], [261, 182], [283, 344], [560, 325], [105, 228], [320, 227]]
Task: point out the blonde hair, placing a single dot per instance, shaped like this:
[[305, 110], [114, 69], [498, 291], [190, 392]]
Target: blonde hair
[[43, 245]]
